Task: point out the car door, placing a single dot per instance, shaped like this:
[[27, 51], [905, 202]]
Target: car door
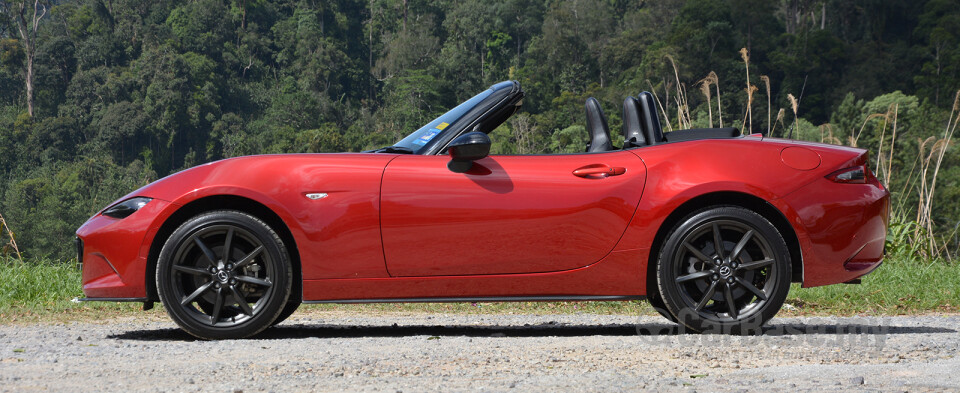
[[508, 214]]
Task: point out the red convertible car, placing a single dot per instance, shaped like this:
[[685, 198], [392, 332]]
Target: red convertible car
[[710, 226]]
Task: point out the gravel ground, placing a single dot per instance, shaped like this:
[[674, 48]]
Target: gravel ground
[[428, 352]]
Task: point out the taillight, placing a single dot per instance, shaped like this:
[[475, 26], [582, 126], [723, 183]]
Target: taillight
[[854, 175]]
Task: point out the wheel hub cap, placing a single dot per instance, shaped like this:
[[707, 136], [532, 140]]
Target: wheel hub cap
[[725, 271], [223, 277]]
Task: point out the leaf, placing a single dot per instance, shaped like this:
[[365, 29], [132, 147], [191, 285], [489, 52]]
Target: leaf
[[19, 350], [433, 338]]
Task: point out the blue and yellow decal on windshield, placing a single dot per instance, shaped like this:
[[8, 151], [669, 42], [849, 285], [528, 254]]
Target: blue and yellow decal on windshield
[[426, 137], [441, 126]]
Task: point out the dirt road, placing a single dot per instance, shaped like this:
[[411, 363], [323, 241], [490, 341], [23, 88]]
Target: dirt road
[[433, 352]]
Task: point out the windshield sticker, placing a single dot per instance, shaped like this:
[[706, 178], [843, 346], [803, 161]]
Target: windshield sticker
[[441, 126], [426, 137]]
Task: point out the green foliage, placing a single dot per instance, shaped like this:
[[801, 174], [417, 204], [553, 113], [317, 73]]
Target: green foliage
[[939, 29], [37, 284], [899, 237], [44, 289], [572, 139], [127, 91], [901, 285]]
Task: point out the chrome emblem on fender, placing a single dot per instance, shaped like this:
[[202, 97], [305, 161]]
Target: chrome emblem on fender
[[317, 195]]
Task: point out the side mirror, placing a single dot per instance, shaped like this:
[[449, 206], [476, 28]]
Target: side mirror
[[466, 149]]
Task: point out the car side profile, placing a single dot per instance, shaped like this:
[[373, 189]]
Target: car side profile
[[708, 225]]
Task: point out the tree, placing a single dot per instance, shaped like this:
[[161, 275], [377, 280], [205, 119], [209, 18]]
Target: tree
[[940, 27], [26, 18], [702, 28], [128, 87]]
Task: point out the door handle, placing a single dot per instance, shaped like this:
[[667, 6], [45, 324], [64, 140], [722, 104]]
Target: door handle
[[600, 171]]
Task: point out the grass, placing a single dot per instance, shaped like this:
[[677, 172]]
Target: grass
[[41, 291], [899, 286]]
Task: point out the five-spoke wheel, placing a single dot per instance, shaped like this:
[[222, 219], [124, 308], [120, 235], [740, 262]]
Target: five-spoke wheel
[[724, 270], [224, 274]]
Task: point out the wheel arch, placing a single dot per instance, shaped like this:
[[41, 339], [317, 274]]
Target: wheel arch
[[728, 198], [223, 202]]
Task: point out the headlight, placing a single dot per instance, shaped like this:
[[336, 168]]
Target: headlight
[[127, 207]]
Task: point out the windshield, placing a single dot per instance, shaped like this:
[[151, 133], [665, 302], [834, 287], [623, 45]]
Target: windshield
[[419, 138]]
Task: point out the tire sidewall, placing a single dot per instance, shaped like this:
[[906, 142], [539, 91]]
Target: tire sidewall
[[670, 292], [273, 246], [656, 302]]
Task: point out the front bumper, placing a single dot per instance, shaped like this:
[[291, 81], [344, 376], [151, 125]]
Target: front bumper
[[113, 253]]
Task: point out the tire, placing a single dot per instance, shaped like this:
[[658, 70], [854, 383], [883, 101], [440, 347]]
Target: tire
[[287, 311], [212, 297], [657, 303], [733, 291]]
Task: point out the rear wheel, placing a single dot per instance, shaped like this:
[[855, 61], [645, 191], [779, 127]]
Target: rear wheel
[[724, 270], [224, 274]]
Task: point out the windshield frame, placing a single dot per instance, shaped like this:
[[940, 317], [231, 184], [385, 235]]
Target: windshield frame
[[460, 119], [419, 140]]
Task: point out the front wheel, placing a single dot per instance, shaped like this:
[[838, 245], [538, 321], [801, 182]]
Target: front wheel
[[724, 270], [287, 311], [224, 274], [656, 302]]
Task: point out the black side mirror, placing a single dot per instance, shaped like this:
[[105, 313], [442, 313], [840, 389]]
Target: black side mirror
[[466, 149]]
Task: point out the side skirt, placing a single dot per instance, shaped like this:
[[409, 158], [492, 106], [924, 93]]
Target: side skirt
[[113, 299], [480, 299], [621, 273]]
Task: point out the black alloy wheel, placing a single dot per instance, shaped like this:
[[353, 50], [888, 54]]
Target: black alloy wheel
[[724, 270], [224, 274]]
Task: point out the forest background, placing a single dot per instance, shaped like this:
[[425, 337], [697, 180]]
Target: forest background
[[99, 97]]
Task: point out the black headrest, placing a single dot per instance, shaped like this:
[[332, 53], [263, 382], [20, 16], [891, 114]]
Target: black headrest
[[597, 127], [632, 134], [649, 118]]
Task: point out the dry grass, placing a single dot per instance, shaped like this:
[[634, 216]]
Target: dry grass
[[683, 107], [795, 106], [750, 90], [11, 245], [854, 138], [827, 137], [922, 181], [946, 140], [766, 82], [748, 116], [662, 109], [893, 145], [705, 89], [779, 120], [719, 106], [883, 168]]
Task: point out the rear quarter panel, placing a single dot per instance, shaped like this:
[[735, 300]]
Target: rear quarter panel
[[679, 172]]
